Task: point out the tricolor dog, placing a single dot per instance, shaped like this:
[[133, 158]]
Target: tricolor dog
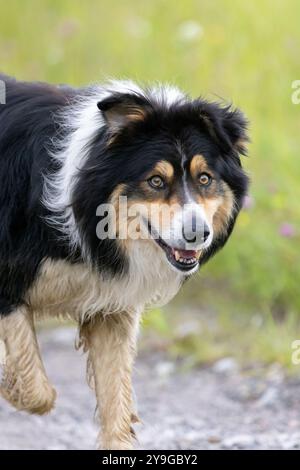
[[110, 198]]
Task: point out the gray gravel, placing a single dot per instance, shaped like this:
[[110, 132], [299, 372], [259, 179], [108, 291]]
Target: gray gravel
[[212, 408]]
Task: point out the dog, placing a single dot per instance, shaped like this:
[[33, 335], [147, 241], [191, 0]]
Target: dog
[[66, 155]]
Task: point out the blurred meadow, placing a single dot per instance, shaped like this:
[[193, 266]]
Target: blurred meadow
[[245, 303]]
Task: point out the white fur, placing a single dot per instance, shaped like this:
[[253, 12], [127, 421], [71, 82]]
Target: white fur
[[79, 293], [82, 121]]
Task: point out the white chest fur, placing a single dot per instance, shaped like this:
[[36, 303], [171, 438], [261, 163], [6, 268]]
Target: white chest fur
[[76, 291]]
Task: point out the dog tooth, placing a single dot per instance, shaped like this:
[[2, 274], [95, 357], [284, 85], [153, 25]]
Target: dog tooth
[[176, 254]]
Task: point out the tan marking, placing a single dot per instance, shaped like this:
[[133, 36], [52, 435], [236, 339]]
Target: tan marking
[[117, 193], [224, 211], [164, 169], [159, 212], [218, 209], [198, 165], [154, 204], [174, 200], [119, 224], [121, 116], [211, 206]]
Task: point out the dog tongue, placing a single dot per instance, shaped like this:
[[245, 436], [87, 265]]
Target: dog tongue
[[187, 254]]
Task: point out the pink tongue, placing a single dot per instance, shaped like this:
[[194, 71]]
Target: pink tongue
[[187, 253]]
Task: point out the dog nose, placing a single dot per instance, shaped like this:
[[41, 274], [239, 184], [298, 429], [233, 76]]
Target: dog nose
[[195, 231]]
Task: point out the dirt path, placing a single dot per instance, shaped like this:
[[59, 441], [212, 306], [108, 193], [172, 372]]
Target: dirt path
[[215, 407]]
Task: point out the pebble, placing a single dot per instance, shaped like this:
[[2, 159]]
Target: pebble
[[241, 441], [227, 365], [164, 369]]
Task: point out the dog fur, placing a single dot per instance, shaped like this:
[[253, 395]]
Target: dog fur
[[64, 151]]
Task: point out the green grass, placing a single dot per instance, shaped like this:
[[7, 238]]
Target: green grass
[[201, 338], [247, 52]]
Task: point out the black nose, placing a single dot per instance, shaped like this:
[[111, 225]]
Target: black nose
[[191, 233]]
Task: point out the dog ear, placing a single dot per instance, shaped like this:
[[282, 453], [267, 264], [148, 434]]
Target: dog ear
[[228, 126], [235, 125], [121, 109]]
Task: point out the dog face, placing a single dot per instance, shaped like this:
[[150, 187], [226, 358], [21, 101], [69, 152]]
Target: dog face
[[178, 168]]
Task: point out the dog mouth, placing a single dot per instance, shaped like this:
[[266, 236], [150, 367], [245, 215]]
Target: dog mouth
[[183, 260]]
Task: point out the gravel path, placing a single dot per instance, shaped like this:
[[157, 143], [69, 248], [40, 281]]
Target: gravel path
[[211, 408]]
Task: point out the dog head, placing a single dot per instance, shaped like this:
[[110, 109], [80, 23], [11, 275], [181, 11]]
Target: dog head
[[175, 163]]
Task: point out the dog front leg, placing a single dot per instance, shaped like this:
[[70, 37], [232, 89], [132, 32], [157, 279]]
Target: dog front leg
[[24, 384], [111, 341]]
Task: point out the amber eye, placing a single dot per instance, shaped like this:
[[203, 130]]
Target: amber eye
[[156, 182], [205, 179]]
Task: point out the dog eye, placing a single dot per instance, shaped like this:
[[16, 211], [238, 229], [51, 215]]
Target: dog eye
[[205, 179], [156, 182]]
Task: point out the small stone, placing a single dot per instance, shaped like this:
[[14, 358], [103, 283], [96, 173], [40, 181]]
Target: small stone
[[214, 439], [165, 369], [226, 365], [242, 441], [268, 398]]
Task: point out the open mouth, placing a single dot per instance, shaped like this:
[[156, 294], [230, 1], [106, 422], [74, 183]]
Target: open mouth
[[183, 260]]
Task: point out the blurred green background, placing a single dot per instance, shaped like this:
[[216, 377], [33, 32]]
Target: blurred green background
[[246, 302]]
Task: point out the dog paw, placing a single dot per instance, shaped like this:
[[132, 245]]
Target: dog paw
[[38, 399]]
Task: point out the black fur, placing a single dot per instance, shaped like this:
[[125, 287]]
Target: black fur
[[27, 126]]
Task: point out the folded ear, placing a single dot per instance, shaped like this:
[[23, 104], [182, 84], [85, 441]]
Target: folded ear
[[121, 109], [227, 126]]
